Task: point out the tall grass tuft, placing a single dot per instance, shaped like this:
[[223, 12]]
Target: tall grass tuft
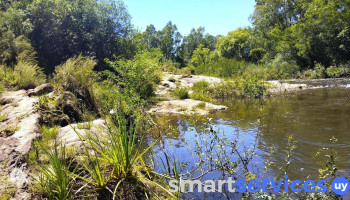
[[55, 180], [120, 146], [75, 74]]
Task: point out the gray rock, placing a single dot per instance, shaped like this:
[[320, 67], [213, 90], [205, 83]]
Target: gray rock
[[41, 89], [24, 122]]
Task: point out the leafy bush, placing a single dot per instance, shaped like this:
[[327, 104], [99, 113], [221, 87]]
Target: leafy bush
[[318, 72], [240, 88], [108, 97], [188, 70], [140, 75], [181, 93], [27, 75], [336, 72]]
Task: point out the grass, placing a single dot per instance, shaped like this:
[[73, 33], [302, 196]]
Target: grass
[[56, 180], [181, 93], [75, 74], [201, 105], [3, 117], [48, 134], [15, 104], [232, 88], [2, 88], [28, 75]]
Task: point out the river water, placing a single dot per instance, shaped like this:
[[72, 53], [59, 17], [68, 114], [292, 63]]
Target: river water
[[312, 116]]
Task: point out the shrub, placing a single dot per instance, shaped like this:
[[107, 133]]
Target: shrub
[[140, 75], [75, 74], [1, 88], [181, 93], [241, 88], [336, 72], [188, 70], [27, 75], [318, 72]]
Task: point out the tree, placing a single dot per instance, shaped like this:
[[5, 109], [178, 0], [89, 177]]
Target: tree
[[169, 40], [235, 44], [192, 42], [200, 56], [66, 28], [14, 26], [150, 38]]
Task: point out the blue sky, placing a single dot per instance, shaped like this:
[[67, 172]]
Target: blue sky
[[217, 16]]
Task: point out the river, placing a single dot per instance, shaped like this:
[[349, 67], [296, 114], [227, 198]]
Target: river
[[312, 116]]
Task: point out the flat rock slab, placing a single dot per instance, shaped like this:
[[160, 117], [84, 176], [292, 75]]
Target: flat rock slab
[[186, 106], [278, 87], [171, 82], [68, 135], [21, 122]]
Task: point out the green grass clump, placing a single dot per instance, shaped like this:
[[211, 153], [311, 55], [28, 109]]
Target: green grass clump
[[24, 75], [48, 135], [201, 105], [75, 74], [56, 180], [2, 88], [181, 93], [28, 75], [3, 117], [238, 88]]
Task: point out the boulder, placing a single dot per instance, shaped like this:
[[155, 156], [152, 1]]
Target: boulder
[[70, 107], [40, 90], [69, 138]]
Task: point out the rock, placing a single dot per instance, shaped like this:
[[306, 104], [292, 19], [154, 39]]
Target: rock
[[69, 137], [186, 106], [278, 87], [41, 89], [10, 97], [70, 107], [23, 123]]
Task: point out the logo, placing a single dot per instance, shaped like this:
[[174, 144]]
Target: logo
[[340, 186]]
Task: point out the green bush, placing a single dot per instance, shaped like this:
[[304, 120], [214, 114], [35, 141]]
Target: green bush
[[75, 74], [27, 75], [318, 72], [239, 87], [1, 88], [140, 75], [188, 70], [336, 72], [181, 93]]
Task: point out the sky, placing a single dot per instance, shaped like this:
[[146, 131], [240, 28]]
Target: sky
[[217, 16]]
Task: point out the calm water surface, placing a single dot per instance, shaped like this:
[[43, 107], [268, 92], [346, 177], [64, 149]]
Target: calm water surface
[[313, 116]]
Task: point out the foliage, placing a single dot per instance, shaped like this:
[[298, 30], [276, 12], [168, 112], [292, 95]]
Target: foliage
[[200, 56], [1, 88], [55, 180], [239, 88], [14, 26], [69, 28], [181, 93], [235, 44], [28, 75], [336, 72], [139, 75], [75, 74]]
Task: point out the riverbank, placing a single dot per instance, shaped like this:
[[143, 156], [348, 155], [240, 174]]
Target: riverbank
[[21, 122], [187, 83]]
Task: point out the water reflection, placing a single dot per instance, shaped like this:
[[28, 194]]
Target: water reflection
[[312, 116]]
